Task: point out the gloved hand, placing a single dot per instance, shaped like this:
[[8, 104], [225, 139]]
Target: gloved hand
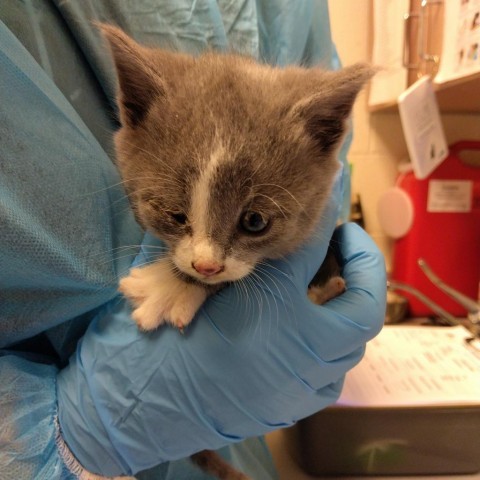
[[257, 357]]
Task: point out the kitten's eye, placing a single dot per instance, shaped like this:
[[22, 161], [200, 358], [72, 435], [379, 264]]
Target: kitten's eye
[[179, 217], [253, 222]]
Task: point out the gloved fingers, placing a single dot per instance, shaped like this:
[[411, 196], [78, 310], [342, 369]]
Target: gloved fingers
[[303, 264], [321, 343], [269, 301], [357, 315], [362, 264]]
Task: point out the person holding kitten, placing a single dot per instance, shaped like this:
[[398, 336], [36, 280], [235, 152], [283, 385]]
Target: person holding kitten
[[84, 393]]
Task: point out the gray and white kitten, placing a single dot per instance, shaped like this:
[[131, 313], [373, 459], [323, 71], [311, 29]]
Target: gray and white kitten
[[228, 161]]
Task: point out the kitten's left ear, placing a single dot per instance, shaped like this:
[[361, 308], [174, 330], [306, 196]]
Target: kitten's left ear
[[139, 81], [325, 113]]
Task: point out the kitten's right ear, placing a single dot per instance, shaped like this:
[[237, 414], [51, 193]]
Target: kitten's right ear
[[139, 82], [325, 112]]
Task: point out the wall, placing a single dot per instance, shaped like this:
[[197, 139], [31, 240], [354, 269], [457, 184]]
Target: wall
[[378, 144]]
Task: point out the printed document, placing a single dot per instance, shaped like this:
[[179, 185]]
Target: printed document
[[415, 366]]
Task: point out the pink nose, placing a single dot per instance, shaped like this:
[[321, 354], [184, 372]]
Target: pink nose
[[207, 268]]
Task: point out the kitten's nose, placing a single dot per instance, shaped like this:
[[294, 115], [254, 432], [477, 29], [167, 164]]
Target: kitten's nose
[[207, 268]]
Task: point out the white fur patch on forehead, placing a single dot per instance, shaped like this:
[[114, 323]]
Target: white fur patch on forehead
[[199, 215]]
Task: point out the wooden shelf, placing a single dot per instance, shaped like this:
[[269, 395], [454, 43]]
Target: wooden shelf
[[461, 95], [456, 96]]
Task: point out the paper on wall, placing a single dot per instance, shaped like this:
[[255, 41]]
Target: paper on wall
[[461, 40], [388, 31]]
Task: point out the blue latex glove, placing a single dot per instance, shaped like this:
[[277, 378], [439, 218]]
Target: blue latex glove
[[130, 400]]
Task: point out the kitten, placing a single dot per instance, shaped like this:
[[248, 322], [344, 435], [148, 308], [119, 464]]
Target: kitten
[[228, 161]]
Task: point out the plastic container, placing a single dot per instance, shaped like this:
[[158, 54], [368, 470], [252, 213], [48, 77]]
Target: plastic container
[[445, 232]]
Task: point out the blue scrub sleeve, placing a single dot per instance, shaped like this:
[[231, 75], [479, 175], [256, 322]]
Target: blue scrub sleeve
[[63, 210]]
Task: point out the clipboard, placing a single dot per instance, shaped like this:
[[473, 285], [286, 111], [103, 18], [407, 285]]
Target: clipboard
[[387, 422]]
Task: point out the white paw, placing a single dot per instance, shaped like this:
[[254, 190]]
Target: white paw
[[161, 297]]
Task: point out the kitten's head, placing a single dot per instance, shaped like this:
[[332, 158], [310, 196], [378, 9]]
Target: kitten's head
[[228, 161]]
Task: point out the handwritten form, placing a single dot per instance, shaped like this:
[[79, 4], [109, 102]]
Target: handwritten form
[[414, 366]]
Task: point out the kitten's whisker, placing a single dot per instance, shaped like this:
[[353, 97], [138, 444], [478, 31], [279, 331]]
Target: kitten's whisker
[[244, 297], [255, 322], [255, 291], [274, 202], [94, 192], [275, 282], [282, 188], [152, 155], [269, 265], [132, 193], [258, 168], [276, 302], [267, 287], [114, 259], [249, 281], [137, 247], [287, 291], [248, 300]]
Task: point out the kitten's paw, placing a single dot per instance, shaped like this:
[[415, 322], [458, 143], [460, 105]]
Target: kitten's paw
[[185, 306], [333, 287], [161, 297], [134, 287], [174, 302], [146, 319]]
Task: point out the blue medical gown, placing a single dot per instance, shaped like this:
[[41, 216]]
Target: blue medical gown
[[66, 230]]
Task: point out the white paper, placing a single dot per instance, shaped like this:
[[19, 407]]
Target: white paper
[[453, 196], [387, 53], [422, 127], [461, 40], [415, 366]]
